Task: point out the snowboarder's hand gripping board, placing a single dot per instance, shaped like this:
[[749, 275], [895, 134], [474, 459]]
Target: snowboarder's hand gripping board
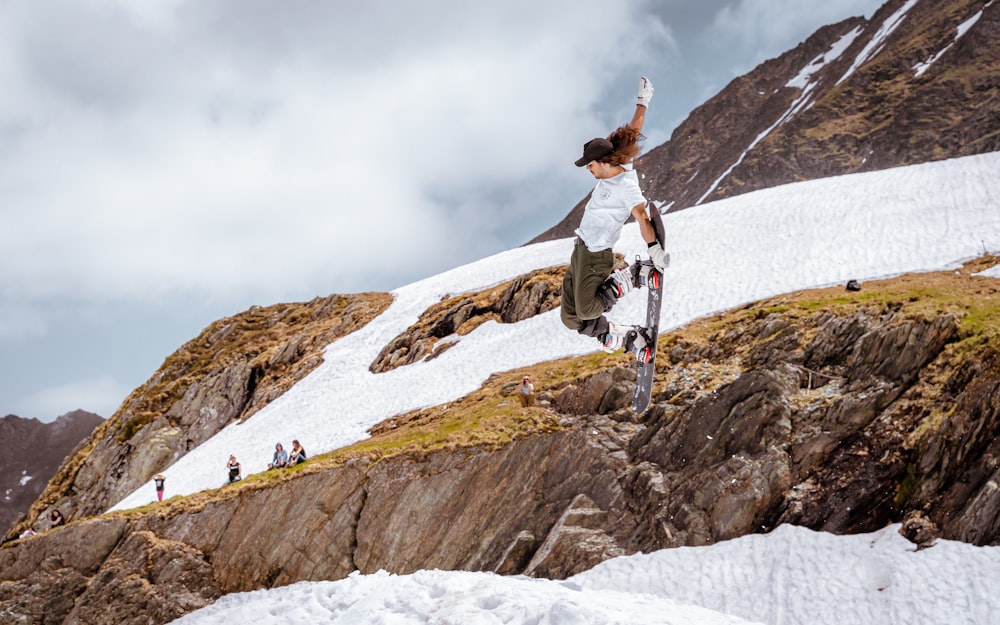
[[644, 379]]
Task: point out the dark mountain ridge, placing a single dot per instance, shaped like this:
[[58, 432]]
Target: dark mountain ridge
[[30, 454], [765, 128]]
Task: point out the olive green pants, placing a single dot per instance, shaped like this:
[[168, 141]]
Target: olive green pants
[[584, 302]]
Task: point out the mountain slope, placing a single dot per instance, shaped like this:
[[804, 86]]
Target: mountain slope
[[834, 411], [798, 236], [235, 367], [918, 82]]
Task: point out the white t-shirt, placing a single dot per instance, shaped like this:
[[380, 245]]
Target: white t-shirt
[[609, 207]]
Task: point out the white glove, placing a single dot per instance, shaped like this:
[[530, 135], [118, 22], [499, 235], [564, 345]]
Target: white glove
[[645, 92], [660, 258]]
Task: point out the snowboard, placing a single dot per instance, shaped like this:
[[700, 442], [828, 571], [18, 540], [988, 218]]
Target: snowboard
[[644, 380]]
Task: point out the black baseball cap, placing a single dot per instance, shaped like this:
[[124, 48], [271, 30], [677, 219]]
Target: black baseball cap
[[595, 150]]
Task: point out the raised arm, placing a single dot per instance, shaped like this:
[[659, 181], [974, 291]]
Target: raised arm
[[641, 103], [638, 118]]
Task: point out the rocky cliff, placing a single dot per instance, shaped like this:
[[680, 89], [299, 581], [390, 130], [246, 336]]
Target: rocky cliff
[[899, 89], [831, 409], [235, 367], [30, 454]]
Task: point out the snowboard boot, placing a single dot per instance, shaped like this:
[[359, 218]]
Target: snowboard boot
[[639, 344], [631, 338], [617, 336], [645, 274], [620, 282]]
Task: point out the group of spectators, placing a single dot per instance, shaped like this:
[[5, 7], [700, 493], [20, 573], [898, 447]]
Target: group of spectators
[[280, 460]]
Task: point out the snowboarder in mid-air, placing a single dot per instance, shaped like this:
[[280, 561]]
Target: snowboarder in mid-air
[[592, 285]]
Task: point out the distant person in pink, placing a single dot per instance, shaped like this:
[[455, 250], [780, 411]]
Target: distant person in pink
[[159, 480]]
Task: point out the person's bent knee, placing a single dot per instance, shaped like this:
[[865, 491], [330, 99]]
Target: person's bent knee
[[594, 309], [570, 319]]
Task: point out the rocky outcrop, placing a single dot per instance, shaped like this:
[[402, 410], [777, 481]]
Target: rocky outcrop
[[841, 418], [84, 573], [235, 367], [602, 393], [522, 298], [763, 129], [752, 453], [454, 510], [31, 453]]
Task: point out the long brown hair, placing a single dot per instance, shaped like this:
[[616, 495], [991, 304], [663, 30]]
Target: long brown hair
[[625, 140]]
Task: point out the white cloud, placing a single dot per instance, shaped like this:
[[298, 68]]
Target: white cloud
[[226, 147], [763, 28], [101, 395], [163, 164], [19, 321]]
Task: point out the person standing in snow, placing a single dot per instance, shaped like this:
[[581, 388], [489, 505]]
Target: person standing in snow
[[592, 285], [159, 480]]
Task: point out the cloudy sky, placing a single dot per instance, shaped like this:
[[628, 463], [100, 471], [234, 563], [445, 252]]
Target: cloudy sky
[[164, 164]]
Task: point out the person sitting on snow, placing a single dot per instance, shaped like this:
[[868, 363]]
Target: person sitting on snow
[[298, 454], [235, 470], [280, 458]]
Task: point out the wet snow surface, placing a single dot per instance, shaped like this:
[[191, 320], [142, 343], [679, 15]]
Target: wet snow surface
[[792, 576]]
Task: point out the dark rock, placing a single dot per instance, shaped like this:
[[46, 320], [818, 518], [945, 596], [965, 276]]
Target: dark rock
[[919, 530], [146, 580], [598, 394], [897, 353], [31, 453]]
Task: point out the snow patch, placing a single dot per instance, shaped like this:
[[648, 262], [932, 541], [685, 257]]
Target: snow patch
[[838, 48], [992, 272], [795, 575], [921, 68], [878, 40], [792, 575], [449, 598]]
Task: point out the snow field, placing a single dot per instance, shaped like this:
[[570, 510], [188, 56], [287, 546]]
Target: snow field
[[724, 254]]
